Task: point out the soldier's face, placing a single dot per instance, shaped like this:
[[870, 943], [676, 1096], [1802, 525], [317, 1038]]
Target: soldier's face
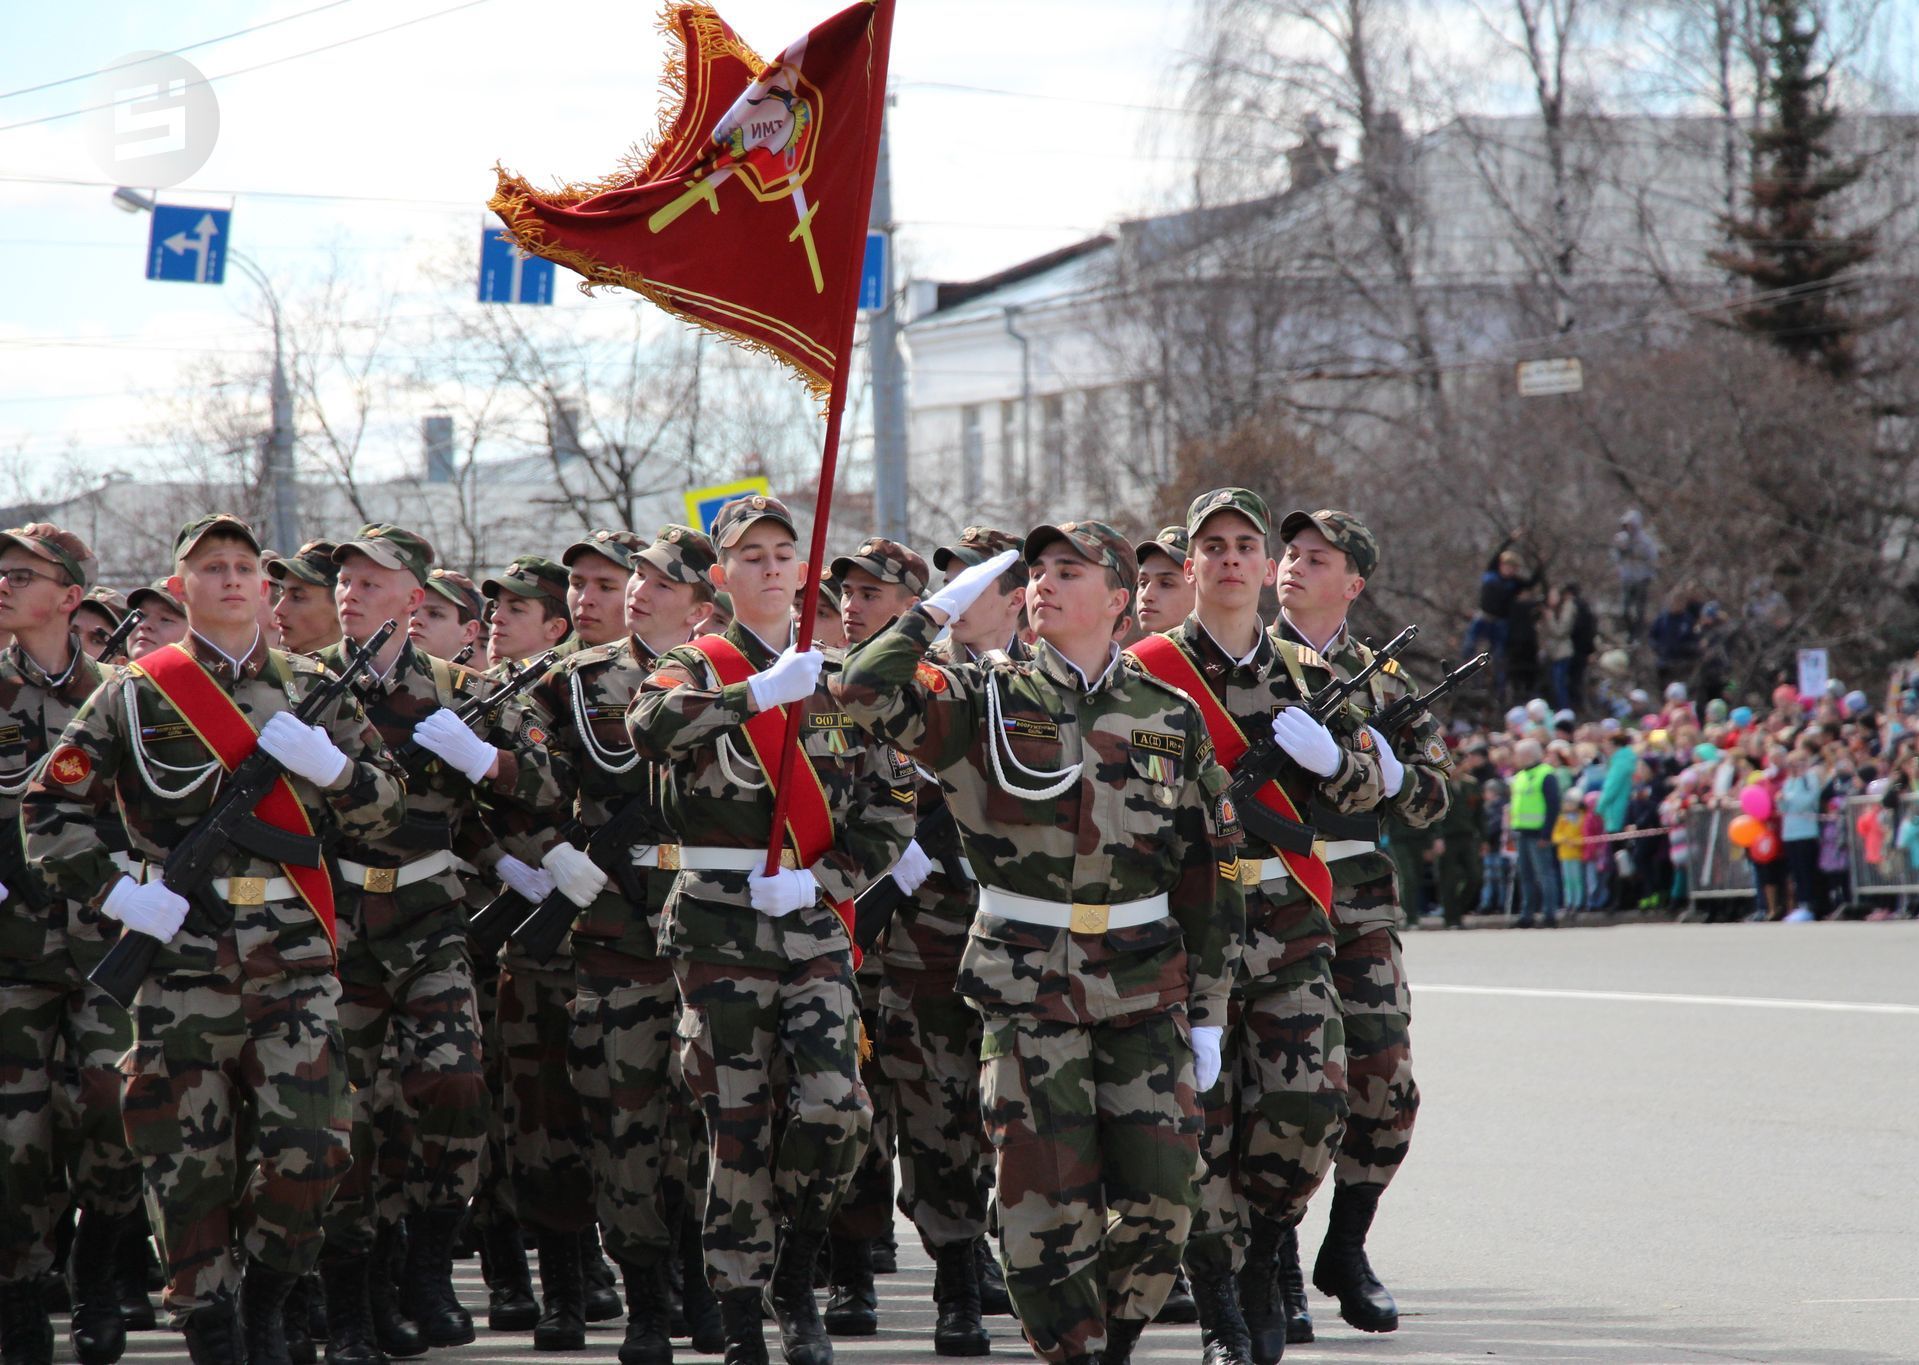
[[867, 604], [95, 626], [1316, 577], [762, 570], [369, 595], [1071, 597], [437, 628], [1229, 564], [827, 629], [660, 610], [521, 628], [221, 585], [305, 618], [596, 595], [159, 625], [1164, 593], [38, 600]]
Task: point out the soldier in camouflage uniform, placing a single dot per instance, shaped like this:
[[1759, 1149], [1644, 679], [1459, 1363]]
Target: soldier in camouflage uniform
[[1329, 556], [1102, 953], [48, 943], [236, 1052], [303, 610], [1276, 1114], [1162, 596], [403, 965], [765, 963], [96, 618], [164, 619]]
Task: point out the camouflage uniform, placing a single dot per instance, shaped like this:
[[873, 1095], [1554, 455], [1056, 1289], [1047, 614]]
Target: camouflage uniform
[[1086, 1071], [237, 1051]]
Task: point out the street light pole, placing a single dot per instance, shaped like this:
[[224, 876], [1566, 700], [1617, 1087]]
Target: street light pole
[[279, 479]]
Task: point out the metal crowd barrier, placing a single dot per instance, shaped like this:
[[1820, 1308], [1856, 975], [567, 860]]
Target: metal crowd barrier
[[1719, 868], [1871, 830]]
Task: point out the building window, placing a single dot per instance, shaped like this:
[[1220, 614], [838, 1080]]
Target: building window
[[1052, 440], [1012, 472], [972, 455]]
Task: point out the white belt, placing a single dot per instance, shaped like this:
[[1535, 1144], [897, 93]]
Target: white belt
[[1341, 849], [1081, 918], [240, 891], [967, 867], [683, 858], [1272, 871], [383, 881]]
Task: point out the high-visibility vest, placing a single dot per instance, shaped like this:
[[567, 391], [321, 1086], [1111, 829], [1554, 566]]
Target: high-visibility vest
[[1529, 797]]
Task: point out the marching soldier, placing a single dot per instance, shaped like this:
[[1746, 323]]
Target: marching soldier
[[303, 609], [96, 618], [451, 620], [403, 963], [1276, 1114], [1103, 949], [1163, 594], [163, 619], [236, 1053], [48, 943], [528, 613], [1329, 556], [764, 963]]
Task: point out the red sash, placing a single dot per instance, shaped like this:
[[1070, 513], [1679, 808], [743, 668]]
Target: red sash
[[809, 819], [1161, 656], [229, 736]]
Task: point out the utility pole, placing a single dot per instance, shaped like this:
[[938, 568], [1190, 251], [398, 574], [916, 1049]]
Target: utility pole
[[889, 370]]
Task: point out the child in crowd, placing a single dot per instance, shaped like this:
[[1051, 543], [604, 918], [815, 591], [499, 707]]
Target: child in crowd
[[1569, 842]]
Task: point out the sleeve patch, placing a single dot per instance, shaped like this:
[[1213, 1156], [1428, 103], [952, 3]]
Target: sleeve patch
[[929, 677], [1363, 740], [664, 680], [532, 732], [69, 765]]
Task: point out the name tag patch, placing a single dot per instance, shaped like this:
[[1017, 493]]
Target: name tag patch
[[1029, 727], [9, 734], [1159, 742], [178, 729]]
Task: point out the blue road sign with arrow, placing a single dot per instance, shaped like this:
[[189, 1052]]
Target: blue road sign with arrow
[[873, 273], [188, 244], [509, 275]]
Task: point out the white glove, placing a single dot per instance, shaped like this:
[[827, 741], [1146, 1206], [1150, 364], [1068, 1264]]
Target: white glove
[[304, 750], [1306, 741], [913, 867], [789, 678], [1390, 767], [530, 883], [1205, 1057], [146, 906], [577, 876], [965, 589], [445, 734], [789, 889]]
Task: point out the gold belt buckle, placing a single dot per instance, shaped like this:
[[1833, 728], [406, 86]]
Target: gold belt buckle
[[668, 859], [1090, 919], [789, 858], [246, 891], [381, 881], [1251, 871]]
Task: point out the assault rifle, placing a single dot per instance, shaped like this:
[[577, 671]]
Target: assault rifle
[[111, 645], [938, 836], [484, 709], [635, 824], [189, 868], [1406, 709]]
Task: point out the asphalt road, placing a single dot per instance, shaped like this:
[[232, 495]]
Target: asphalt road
[[1633, 1147]]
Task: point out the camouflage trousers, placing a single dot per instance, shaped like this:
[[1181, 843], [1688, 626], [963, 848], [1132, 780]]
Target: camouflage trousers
[[44, 1030], [235, 1099], [1369, 974], [867, 1210], [684, 1171], [928, 1043], [618, 1054], [540, 1112], [492, 1192], [738, 1027], [1095, 1134], [431, 1017]]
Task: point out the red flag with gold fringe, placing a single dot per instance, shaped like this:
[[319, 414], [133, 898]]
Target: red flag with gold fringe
[[747, 215]]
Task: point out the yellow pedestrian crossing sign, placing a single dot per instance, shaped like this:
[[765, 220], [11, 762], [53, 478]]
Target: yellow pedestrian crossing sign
[[703, 504]]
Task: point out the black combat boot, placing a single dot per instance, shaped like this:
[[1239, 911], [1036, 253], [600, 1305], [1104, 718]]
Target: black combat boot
[[98, 1330], [213, 1335], [1292, 1290], [886, 1249], [602, 1302], [740, 1320], [958, 1331], [350, 1338], [994, 1302], [510, 1305], [26, 1332], [562, 1324], [647, 1340], [1223, 1337], [802, 1335], [702, 1309], [131, 1265], [1179, 1307], [853, 1304], [427, 1297], [263, 1303], [1260, 1306], [398, 1335], [1342, 1270], [298, 1316], [1122, 1334]]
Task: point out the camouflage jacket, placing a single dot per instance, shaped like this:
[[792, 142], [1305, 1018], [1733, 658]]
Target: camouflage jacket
[[719, 798], [402, 926], [583, 700], [136, 750], [34, 709], [1283, 925], [1148, 814]]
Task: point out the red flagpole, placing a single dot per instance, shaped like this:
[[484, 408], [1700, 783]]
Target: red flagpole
[[882, 39]]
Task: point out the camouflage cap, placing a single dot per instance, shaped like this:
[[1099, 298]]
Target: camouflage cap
[[530, 576], [391, 547], [155, 594], [977, 544], [1343, 531], [1241, 500], [1171, 541], [618, 546], [887, 560], [200, 528], [733, 518], [312, 563], [458, 589], [1094, 541], [107, 600], [682, 554], [44, 540]]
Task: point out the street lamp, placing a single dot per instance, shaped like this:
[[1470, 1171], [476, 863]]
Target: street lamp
[[282, 487]]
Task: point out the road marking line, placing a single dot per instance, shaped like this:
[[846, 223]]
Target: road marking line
[[1859, 1300], [1649, 998]]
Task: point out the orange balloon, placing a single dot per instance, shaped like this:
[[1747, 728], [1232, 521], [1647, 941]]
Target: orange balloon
[[1744, 831]]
